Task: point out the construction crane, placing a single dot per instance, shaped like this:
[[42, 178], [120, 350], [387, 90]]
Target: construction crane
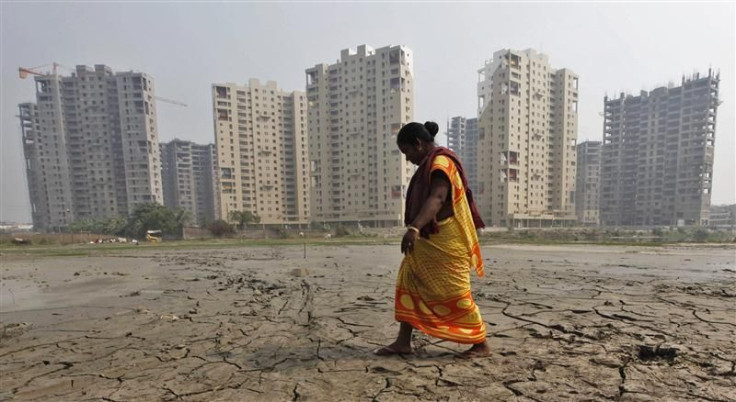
[[173, 102], [23, 73]]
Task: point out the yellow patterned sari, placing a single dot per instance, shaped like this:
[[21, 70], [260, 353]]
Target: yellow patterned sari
[[433, 286]]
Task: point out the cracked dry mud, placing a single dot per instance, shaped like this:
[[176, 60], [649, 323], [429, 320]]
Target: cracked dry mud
[[565, 323]]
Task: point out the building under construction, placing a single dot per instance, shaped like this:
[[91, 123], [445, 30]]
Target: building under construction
[[91, 145], [657, 157]]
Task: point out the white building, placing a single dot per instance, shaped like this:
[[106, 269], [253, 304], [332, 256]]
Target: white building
[[262, 151], [356, 107], [527, 134]]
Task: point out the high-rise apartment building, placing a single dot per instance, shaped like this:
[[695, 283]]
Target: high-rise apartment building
[[188, 172], [356, 108], [262, 151], [456, 127], [657, 158], [470, 154], [47, 164], [462, 138], [587, 188], [91, 145], [527, 135]]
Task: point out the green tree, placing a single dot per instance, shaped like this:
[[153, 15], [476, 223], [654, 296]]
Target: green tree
[[116, 225], [244, 217], [109, 226], [701, 235], [342, 231], [182, 217], [153, 216], [84, 225]]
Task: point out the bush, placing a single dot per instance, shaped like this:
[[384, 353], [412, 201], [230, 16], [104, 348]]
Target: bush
[[701, 235], [342, 231], [152, 216], [244, 218], [114, 226], [220, 228], [658, 232]]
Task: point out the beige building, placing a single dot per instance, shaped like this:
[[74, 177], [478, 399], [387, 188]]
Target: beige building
[[262, 155], [356, 107], [91, 145], [587, 188], [189, 172], [527, 135]]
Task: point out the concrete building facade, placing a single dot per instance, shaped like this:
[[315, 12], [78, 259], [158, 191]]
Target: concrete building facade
[[356, 108], [91, 145], [587, 187], [723, 217], [188, 172], [527, 137], [657, 157], [262, 151], [456, 128], [462, 138]]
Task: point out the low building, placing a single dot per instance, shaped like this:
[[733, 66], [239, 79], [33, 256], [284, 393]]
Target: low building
[[723, 216]]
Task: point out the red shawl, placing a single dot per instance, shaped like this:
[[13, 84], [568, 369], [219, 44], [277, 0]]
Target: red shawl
[[419, 188]]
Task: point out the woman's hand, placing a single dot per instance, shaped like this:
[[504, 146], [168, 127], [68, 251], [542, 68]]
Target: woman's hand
[[409, 240]]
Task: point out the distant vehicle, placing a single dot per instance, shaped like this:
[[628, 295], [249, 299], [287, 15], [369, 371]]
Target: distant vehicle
[[154, 236]]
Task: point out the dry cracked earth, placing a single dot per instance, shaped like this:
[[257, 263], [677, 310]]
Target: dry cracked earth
[[565, 323]]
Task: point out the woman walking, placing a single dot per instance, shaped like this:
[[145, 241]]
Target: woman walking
[[440, 246]]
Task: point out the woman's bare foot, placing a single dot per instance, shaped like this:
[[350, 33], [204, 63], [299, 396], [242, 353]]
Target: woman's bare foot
[[394, 349], [477, 350]]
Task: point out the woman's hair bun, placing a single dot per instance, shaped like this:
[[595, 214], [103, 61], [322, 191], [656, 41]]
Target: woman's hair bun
[[432, 127]]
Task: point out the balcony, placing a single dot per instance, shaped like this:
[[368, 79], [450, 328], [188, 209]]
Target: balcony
[[509, 158]]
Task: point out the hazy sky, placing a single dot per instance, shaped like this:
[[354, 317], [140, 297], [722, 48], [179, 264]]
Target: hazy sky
[[188, 46]]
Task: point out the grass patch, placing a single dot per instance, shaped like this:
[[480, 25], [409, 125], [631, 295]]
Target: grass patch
[[115, 248], [549, 237]]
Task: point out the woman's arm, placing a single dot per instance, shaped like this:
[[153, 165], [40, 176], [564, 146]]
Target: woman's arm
[[439, 189]]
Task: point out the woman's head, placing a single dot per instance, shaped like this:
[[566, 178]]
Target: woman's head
[[415, 140]]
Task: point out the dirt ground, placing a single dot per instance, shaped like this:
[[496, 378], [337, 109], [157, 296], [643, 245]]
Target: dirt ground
[[564, 322]]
